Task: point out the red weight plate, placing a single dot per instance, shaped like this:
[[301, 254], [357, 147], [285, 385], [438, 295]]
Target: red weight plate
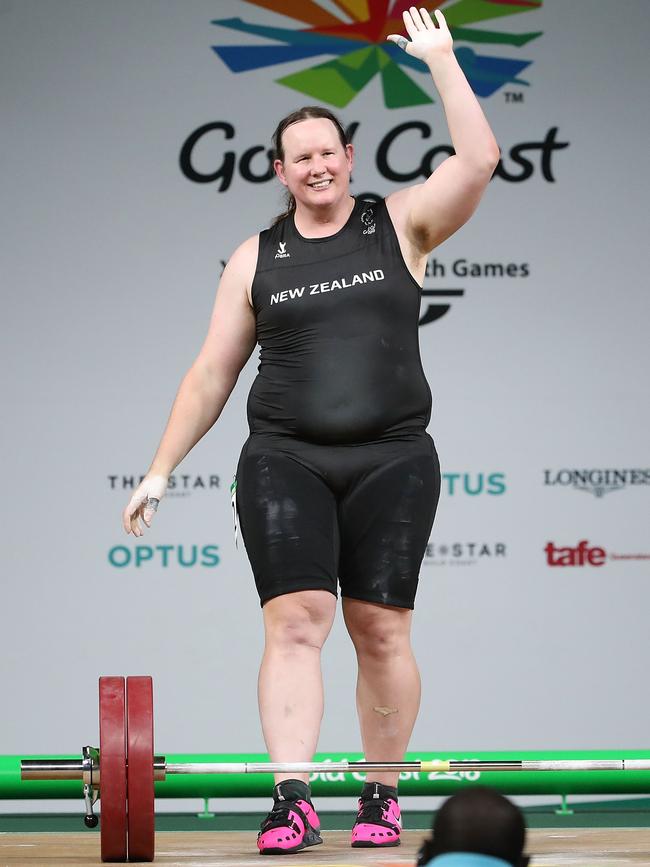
[[112, 768], [139, 735]]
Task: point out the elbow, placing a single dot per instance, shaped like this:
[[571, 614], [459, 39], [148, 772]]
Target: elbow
[[490, 158], [480, 165], [486, 158], [484, 170], [494, 157]]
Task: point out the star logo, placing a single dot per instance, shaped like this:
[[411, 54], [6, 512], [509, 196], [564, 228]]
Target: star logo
[[356, 48]]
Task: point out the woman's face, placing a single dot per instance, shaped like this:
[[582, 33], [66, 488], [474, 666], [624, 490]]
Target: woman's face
[[316, 167]]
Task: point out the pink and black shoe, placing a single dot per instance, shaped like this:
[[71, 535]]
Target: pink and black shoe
[[292, 824], [378, 823]]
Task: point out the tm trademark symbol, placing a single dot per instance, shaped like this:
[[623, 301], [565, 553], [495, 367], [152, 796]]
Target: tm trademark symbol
[[512, 96]]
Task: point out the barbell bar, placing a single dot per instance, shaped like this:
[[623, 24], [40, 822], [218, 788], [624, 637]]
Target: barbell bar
[[73, 769], [125, 768]]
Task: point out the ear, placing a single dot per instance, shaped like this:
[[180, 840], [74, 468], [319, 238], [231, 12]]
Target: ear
[[349, 155], [279, 171]]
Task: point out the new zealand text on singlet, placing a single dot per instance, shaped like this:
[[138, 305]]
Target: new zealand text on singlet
[[328, 286]]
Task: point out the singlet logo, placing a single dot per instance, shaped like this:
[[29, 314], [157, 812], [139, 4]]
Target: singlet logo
[[368, 220], [282, 251]]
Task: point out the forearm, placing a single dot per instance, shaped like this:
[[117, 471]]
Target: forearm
[[199, 402], [470, 132]]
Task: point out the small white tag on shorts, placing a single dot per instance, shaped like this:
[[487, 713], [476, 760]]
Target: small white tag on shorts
[[233, 503]]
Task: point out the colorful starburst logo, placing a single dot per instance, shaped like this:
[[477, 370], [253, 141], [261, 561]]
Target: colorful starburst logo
[[357, 44]]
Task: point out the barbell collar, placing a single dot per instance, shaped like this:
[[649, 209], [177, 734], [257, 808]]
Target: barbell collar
[[76, 769]]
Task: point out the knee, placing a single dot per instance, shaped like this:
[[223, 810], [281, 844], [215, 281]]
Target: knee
[[293, 627], [380, 639], [293, 635], [379, 647]]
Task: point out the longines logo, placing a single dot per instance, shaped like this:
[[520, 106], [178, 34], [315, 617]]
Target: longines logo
[[596, 481], [179, 485]]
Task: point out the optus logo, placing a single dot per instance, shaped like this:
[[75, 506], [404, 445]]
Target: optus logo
[[186, 556], [357, 49], [473, 484]]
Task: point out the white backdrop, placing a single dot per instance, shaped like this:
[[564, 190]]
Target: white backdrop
[[110, 260]]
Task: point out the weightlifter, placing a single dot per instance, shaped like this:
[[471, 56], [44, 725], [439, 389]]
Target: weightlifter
[[338, 482]]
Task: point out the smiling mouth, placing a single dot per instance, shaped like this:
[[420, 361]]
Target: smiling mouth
[[321, 185]]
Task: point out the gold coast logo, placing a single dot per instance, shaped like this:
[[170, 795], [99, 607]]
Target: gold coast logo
[[356, 49]]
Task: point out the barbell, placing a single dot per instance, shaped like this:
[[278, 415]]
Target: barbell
[[124, 769]]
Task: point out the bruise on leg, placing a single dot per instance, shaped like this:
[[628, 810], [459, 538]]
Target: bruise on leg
[[385, 711]]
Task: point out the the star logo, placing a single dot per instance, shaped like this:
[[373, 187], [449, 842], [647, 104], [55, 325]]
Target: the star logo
[[359, 51]]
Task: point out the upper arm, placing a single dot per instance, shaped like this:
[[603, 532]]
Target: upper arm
[[231, 335], [426, 214]]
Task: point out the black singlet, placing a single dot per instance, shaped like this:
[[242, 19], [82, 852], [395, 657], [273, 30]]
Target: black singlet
[[337, 323]]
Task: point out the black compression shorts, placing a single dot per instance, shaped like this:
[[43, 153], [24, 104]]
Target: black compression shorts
[[310, 514]]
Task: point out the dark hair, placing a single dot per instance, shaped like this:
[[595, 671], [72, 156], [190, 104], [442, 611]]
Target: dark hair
[[307, 112], [480, 820]]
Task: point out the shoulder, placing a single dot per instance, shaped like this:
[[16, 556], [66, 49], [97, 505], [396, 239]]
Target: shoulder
[[240, 268], [245, 256]]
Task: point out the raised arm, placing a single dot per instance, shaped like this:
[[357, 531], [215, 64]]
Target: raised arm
[[206, 386], [427, 214]]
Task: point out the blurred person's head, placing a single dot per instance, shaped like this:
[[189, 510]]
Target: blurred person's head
[[481, 821]]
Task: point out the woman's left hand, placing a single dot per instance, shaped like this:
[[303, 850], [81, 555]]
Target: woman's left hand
[[427, 40]]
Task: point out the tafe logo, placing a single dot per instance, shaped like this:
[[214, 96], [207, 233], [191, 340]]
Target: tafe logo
[[581, 555], [359, 51]]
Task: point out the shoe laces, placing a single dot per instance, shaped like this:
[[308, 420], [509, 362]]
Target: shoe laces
[[372, 810], [279, 816]]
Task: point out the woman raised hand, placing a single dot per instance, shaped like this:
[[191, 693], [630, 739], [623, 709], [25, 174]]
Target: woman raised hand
[[427, 39]]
